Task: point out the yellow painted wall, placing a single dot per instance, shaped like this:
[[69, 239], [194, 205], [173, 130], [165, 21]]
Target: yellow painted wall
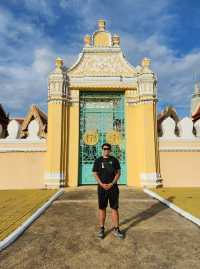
[[55, 130], [132, 152], [65, 141], [22, 170], [73, 143], [141, 141], [180, 168]]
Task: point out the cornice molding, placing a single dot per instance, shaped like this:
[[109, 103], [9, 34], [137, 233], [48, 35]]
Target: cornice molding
[[33, 149], [179, 149]]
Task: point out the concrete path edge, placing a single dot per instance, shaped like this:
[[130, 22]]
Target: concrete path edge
[[17, 232], [180, 211]]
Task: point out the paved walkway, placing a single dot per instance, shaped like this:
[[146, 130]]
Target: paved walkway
[[65, 236]]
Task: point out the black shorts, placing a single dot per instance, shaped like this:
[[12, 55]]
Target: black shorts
[[112, 195]]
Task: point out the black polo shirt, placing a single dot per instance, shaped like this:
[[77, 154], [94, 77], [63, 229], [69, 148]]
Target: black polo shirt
[[106, 168]]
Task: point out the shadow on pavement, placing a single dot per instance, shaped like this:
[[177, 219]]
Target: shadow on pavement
[[144, 215]]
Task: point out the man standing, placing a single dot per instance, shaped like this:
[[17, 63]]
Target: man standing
[[106, 170]]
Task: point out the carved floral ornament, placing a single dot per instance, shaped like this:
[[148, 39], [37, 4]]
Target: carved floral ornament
[[91, 137], [103, 64], [113, 137], [101, 37]]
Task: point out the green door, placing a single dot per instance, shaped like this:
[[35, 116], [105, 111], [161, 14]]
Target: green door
[[101, 121]]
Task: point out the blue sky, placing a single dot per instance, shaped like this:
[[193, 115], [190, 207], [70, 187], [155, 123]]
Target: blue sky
[[33, 33]]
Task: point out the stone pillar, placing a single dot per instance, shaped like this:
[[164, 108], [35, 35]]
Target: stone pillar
[[55, 172], [149, 157], [142, 140], [73, 139]]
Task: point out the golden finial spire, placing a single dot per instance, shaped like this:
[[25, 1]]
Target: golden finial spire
[[101, 24], [116, 40], [87, 40], [146, 62], [59, 62]]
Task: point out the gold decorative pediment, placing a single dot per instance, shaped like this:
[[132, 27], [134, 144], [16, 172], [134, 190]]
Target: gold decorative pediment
[[102, 64], [102, 39], [102, 56]]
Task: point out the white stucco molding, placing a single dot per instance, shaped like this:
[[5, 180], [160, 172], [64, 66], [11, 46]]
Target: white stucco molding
[[22, 149], [57, 82], [150, 179], [179, 138], [101, 61], [147, 79], [59, 101], [33, 130], [168, 127], [18, 145], [181, 149], [102, 81], [13, 129], [185, 127], [74, 97], [22, 141], [197, 127], [54, 179], [133, 102], [102, 49]]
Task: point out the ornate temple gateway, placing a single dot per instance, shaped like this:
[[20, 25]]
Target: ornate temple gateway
[[102, 98]]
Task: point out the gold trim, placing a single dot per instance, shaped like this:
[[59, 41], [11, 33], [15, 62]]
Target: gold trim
[[91, 137], [113, 137], [100, 87]]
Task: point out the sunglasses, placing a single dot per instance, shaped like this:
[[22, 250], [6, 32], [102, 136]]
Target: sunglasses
[[106, 148]]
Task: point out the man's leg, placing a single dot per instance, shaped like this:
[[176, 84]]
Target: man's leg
[[102, 217], [114, 204], [115, 217], [102, 202]]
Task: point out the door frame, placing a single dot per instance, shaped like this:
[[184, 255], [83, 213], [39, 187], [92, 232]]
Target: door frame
[[79, 158]]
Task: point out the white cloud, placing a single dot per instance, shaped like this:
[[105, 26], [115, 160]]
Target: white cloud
[[42, 8], [26, 59], [143, 28], [139, 16], [175, 74], [28, 53]]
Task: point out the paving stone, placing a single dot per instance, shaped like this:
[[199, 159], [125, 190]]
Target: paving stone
[[65, 236]]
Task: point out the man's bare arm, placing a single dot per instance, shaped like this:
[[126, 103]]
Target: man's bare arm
[[97, 178], [117, 176]]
